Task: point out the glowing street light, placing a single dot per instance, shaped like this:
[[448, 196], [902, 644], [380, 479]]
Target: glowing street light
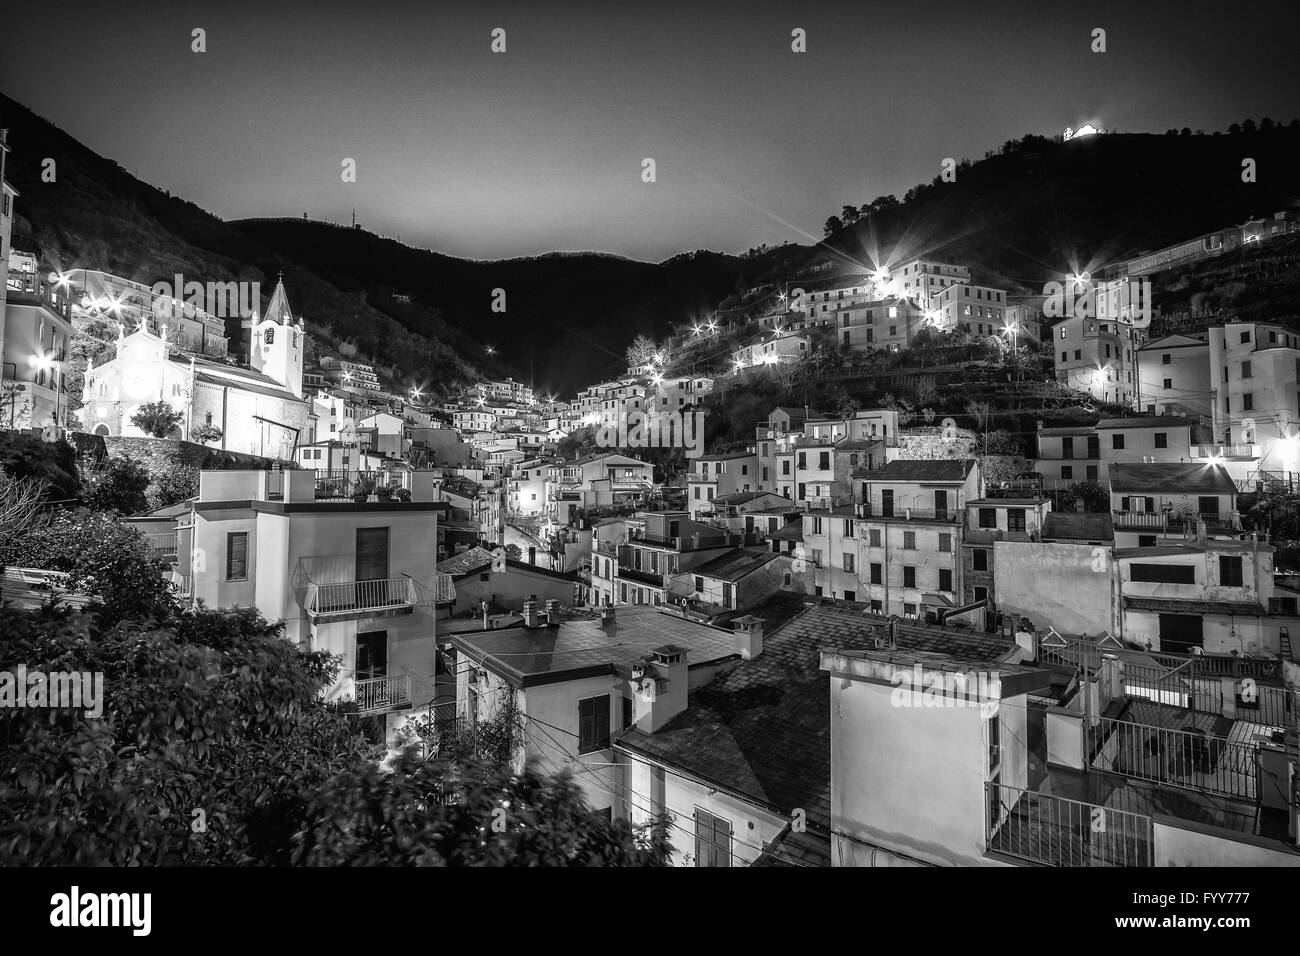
[[490, 350]]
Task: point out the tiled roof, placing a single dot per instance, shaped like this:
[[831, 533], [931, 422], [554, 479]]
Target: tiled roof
[[929, 469], [762, 729], [796, 849], [1183, 606], [1172, 478], [466, 562]]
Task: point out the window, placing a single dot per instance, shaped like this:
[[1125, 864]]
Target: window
[[1163, 573], [593, 724], [1116, 441], [909, 540], [1230, 571], [824, 460], [817, 557], [1166, 359], [850, 595], [237, 556], [726, 595], [699, 584], [945, 579], [909, 610], [874, 537], [1078, 354], [988, 517], [981, 594], [1015, 519], [1169, 383], [945, 543], [712, 840], [909, 576], [848, 561], [875, 573], [1162, 439], [1247, 402], [1245, 370], [980, 559], [1245, 337]]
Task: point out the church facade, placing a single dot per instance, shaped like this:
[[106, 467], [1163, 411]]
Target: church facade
[[260, 410]]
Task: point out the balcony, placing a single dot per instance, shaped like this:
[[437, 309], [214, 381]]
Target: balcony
[[387, 596], [1055, 831], [990, 535], [377, 694], [1225, 451], [162, 544], [1215, 523]]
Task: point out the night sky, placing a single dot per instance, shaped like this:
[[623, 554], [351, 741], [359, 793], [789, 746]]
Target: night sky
[[493, 155]]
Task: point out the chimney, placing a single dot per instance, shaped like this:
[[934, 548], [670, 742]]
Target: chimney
[[749, 636], [658, 685], [552, 611], [531, 616], [607, 616]]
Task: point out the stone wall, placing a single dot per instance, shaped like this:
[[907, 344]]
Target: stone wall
[[158, 453]]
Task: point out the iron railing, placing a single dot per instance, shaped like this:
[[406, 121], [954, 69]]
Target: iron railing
[[1056, 831], [350, 596], [162, 543], [374, 694], [1189, 759]]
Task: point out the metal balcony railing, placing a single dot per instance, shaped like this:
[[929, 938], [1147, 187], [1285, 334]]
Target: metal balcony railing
[[1189, 759], [1225, 451], [374, 694], [345, 598], [1056, 831], [162, 543], [1177, 523]]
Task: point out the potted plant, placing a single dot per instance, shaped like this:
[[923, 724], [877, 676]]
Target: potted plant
[[402, 494], [384, 492], [362, 490]]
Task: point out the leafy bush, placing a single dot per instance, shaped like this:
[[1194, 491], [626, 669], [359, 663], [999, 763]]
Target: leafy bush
[[172, 484], [205, 433], [55, 463], [103, 559], [115, 484], [214, 748]]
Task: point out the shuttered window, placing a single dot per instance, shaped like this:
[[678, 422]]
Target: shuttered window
[[593, 724], [237, 556], [1163, 573], [372, 554], [712, 840]]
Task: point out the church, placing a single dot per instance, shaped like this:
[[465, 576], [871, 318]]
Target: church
[[260, 410]]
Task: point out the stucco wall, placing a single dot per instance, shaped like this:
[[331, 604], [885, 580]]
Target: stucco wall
[[1069, 587]]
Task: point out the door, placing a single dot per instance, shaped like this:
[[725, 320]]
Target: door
[[1180, 632], [941, 504], [372, 567], [887, 502], [372, 655]]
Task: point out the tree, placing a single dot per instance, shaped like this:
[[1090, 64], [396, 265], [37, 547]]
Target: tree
[[1234, 129], [157, 419], [514, 552], [833, 225], [214, 747], [1248, 126], [54, 463], [172, 483], [849, 215], [115, 484], [102, 558], [641, 351], [205, 433]]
